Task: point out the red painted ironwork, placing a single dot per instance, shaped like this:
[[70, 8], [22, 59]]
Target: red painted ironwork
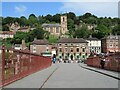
[[17, 64], [112, 61]]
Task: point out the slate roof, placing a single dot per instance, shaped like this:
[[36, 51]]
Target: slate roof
[[91, 38], [51, 25], [40, 42], [72, 40], [7, 32]]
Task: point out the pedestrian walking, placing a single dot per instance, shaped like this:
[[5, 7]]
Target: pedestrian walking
[[102, 63]]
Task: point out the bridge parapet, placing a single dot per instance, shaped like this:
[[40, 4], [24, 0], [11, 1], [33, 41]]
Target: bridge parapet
[[16, 64], [112, 61]]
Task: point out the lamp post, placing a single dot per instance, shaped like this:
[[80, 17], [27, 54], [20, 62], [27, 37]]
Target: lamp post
[[3, 61]]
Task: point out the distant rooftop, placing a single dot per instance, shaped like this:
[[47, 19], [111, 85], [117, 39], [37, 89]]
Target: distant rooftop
[[7, 32], [91, 38], [51, 25], [72, 40], [40, 42]]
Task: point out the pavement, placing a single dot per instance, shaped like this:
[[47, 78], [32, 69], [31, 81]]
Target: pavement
[[112, 74], [69, 75]]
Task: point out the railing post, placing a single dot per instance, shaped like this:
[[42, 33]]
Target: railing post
[[3, 63]]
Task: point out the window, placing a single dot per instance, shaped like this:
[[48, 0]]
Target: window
[[83, 56], [57, 29], [60, 49], [62, 54], [68, 54], [47, 48], [66, 49], [77, 49], [63, 19], [77, 56], [51, 29], [110, 45], [80, 54], [66, 44], [71, 50], [34, 48], [83, 49]]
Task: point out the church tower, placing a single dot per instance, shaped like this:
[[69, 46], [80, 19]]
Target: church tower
[[64, 24]]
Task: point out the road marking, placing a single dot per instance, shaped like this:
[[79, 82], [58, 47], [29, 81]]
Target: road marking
[[48, 78]]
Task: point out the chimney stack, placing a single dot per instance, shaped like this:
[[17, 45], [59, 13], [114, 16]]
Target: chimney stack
[[23, 45]]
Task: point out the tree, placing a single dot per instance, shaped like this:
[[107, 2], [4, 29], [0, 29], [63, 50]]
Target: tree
[[41, 20], [36, 33], [82, 32], [7, 20], [5, 28], [18, 37], [24, 21], [32, 20], [116, 30], [56, 18], [102, 31], [71, 15], [17, 20], [71, 27], [49, 18]]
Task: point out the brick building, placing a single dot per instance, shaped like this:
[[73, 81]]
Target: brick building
[[41, 47], [111, 43], [6, 34], [72, 48]]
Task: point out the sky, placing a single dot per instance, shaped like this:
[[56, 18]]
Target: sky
[[100, 8]]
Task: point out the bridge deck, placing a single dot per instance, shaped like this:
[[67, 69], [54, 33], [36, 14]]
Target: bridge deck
[[67, 75]]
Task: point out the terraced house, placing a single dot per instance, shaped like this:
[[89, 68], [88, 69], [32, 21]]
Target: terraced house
[[72, 48]]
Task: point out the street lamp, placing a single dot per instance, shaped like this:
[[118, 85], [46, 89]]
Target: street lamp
[[3, 61]]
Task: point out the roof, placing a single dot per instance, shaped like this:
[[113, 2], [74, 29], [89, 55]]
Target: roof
[[91, 38], [112, 37], [7, 32], [40, 42], [23, 28], [72, 40], [51, 25]]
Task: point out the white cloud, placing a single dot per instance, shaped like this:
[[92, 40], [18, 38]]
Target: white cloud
[[109, 9], [21, 9]]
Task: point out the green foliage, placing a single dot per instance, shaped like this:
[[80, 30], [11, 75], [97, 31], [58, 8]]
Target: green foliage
[[7, 20], [104, 25], [36, 33], [71, 15], [71, 27], [32, 20], [56, 18], [102, 31], [18, 37], [49, 17], [116, 29], [5, 28], [82, 32], [24, 21], [53, 39], [41, 20]]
